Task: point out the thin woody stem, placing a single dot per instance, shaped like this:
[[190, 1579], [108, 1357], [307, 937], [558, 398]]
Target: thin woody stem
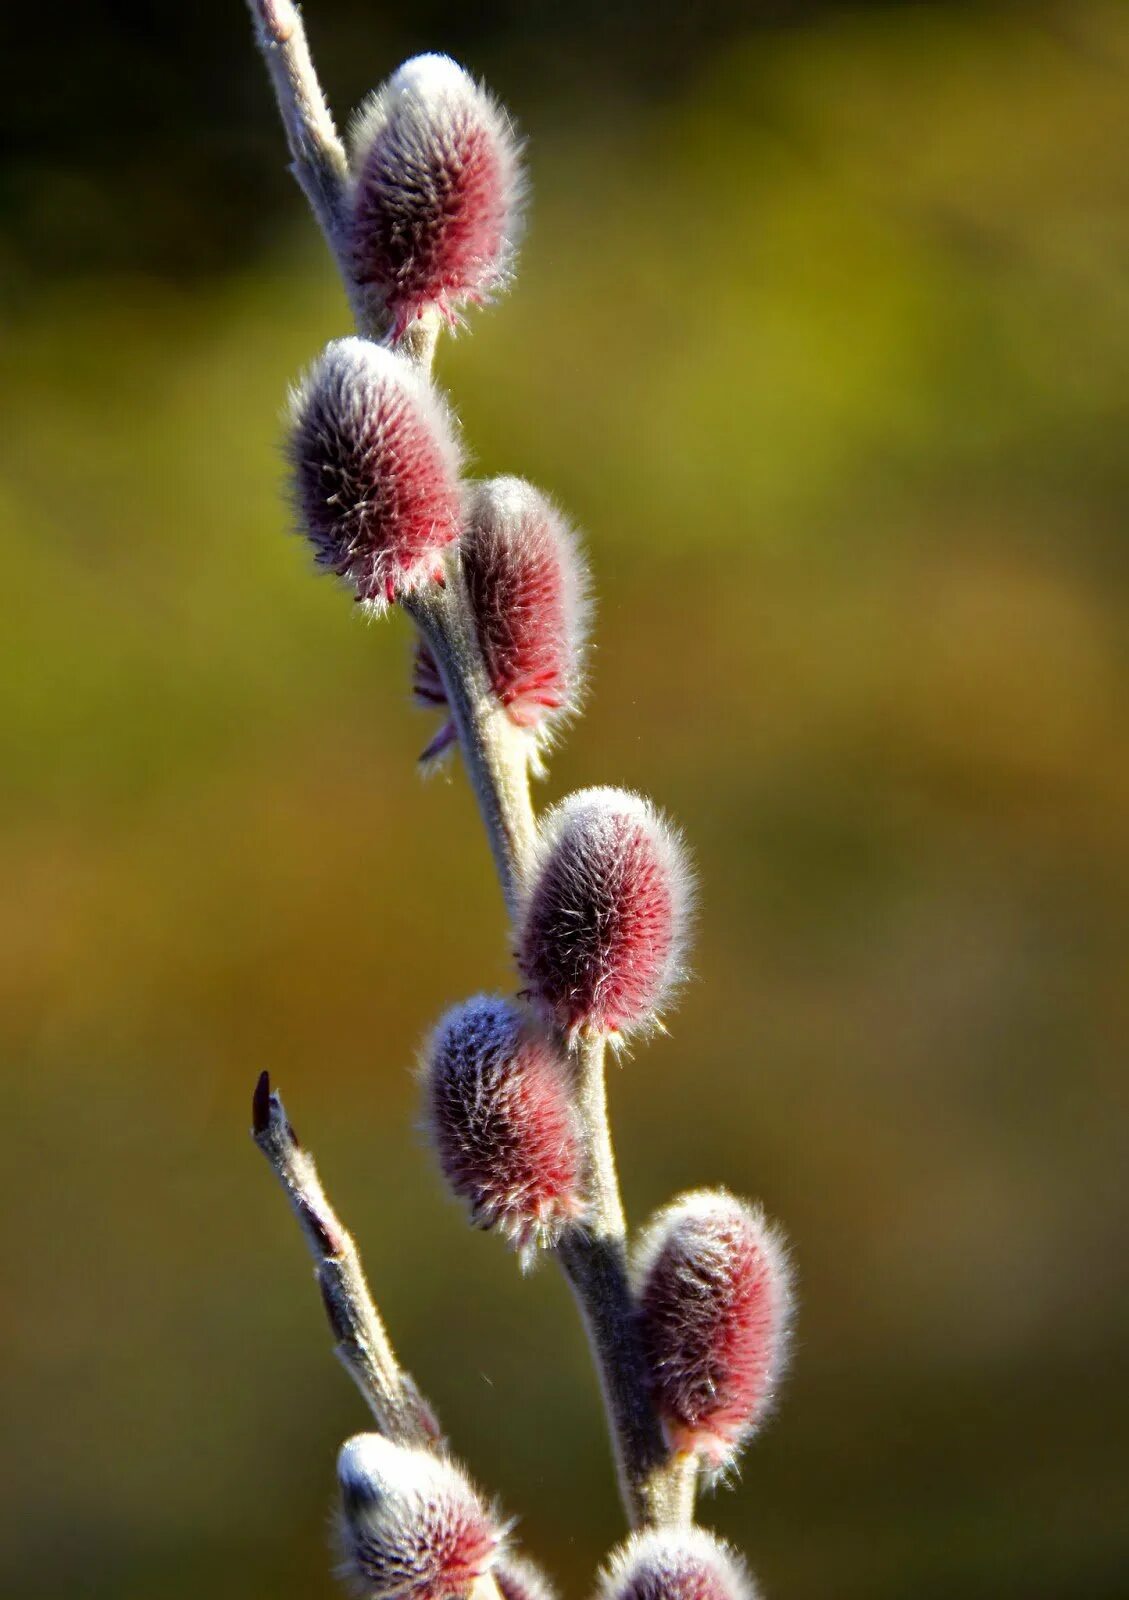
[[494, 751], [319, 162], [362, 1344], [656, 1490]]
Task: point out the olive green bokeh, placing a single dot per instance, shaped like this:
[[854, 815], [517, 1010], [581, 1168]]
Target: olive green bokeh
[[825, 344]]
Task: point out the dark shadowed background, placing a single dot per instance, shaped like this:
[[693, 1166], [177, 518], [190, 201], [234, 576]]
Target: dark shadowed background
[[822, 334]]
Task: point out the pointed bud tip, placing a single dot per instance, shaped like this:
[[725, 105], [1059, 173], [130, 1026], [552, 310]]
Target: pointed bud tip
[[260, 1104]]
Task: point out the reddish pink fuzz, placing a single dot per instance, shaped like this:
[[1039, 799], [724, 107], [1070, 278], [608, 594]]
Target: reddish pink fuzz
[[375, 465], [436, 196], [411, 1526], [713, 1288], [675, 1564], [501, 1117], [604, 928], [528, 594]]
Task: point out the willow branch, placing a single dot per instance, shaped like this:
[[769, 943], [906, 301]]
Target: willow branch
[[656, 1488], [318, 156]]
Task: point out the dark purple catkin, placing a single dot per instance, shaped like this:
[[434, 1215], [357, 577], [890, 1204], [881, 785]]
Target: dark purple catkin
[[375, 465], [602, 936], [411, 1527], [499, 1109], [436, 193], [713, 1288]]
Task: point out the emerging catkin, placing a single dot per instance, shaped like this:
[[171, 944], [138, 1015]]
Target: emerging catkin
[[411, 1527], [519, 1579], [675, 1564]]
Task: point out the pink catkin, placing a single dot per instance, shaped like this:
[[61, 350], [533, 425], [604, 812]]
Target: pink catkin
[[502, 1122], [437, 189], [411, 1526], [527, 593], [713, 1288], [604, 929], [527, 590], [375, 467], [675, 1564]]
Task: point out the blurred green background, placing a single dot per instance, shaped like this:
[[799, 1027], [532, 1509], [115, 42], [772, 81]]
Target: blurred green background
[[822, 334]]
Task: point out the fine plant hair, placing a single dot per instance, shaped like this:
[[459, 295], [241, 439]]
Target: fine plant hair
[[421, 207]]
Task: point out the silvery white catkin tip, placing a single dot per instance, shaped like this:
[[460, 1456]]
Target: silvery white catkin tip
[[528, 592], [603, 931], [436, 192], [713, 1288], [500, 1114], [675, 1564], [375, 464], [518, 1579], [410, 1523]]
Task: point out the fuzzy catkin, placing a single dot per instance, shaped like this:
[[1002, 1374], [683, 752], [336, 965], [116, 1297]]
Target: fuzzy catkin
[[436, 192], [675, 1564], [603, 933], [411, 1527], [713, 1288], [527, 589], [375, 470], [501, 1120]]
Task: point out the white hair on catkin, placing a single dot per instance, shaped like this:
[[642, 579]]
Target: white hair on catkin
[[675, 1564], [606, 924], [436, 191], [411, 1526]]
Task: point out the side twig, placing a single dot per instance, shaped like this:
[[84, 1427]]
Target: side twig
[[363, 1346]]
